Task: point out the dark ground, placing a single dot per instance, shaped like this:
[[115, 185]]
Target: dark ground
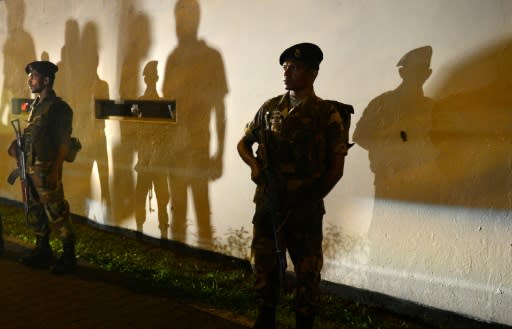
[[90, 298]]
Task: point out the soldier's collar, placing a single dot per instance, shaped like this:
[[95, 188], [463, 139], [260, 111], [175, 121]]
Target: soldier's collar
[[49, 97], [285, 100]]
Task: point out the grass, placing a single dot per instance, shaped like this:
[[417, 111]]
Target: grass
[[212, 281]]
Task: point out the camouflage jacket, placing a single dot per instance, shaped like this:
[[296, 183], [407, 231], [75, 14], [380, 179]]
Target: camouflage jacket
[[49, 126], [298, 143]]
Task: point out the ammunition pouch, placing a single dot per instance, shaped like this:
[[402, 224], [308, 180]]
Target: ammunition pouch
[[74, 147]]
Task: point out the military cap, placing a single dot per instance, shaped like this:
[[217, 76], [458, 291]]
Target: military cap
[[308, 53], [44, 67], [416, 57]]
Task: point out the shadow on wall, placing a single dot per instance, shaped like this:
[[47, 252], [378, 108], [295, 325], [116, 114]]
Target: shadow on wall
[[172, 160], [18, 50], [395, 130], [195, 78], [79, 84], [472, 129], [133, 46], [153, 145], [452, 151]]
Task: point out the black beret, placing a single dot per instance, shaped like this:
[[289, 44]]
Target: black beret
[[44, 67], [308, 53]]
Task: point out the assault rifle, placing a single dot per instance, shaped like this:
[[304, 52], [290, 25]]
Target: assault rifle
[[272, 203], [21, 171]]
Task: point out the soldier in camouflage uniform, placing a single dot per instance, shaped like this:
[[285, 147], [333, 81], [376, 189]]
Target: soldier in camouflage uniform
[[299, 159], [46, 143]]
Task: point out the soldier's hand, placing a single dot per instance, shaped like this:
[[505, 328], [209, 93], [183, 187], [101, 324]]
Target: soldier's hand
[[13, 149], [256, 174]]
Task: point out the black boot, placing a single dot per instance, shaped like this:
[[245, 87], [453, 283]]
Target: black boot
[[266, 318], [41, 256], [304, 321], [67, 262]]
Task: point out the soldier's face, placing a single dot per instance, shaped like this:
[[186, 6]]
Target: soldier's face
[[297, 75], [37, 82]]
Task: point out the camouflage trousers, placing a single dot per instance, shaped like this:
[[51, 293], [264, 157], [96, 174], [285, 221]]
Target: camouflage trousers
[[49, 211], [300, 234]]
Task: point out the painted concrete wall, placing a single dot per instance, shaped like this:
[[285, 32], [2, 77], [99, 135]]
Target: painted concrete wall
[[423, 211]]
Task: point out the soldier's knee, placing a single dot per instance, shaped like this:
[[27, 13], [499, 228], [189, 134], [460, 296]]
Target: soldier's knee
[[57, 210]]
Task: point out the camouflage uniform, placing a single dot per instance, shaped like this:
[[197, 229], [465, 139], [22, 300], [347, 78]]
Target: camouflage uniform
[[298, 152], [49, 126]]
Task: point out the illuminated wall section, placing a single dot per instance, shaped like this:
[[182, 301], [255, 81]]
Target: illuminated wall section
[[423, 212]]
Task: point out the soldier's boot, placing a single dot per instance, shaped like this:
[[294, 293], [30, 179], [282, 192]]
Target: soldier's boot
[[67, 262], [304, 321], [41, 256], [266, 318]]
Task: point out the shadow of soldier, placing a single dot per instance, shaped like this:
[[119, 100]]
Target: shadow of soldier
[[395, 130], [152, 146], [195, 78]]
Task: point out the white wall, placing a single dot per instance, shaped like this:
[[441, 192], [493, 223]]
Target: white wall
[[428, 221]]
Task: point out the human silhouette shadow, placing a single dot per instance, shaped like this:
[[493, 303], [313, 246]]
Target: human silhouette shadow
[[152, 147], [69, 65], [134, 45], [472, 128], [195, 78], [79, 84], [91, 130], [395, 130], [18, 51]]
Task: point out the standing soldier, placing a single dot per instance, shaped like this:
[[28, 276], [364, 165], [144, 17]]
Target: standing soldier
[[300, 157], [46, 143]]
